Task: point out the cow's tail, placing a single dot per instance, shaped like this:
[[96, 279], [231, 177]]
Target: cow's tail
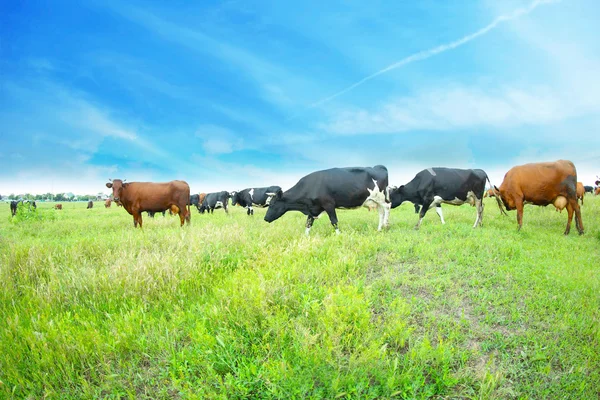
[[497, 196]]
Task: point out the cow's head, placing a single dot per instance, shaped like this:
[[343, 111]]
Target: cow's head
[[507, 200], [117, 186], [234, 197], [277, 206], [395, 195]]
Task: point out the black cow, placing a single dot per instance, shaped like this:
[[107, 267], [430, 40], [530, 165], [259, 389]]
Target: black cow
[[434, 186], [195, 201], [14, 204], [215, 200], [259, 197], [324, 191], [588, 189]]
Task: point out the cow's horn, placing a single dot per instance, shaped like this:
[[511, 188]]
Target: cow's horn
[[124, 180], [110, 180]]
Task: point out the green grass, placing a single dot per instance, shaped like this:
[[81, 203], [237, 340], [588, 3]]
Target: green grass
[[233, 307]]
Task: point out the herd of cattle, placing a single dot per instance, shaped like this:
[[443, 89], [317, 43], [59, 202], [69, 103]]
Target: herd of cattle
[[325, 191]]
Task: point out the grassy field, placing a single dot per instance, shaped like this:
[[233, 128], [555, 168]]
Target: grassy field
[[233, 307]]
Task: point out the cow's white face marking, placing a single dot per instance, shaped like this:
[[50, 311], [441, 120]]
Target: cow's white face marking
[[251, 192]]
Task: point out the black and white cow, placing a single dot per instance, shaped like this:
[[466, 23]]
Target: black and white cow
[[434, 186], [215, 200], [250, 197], [324, 191]]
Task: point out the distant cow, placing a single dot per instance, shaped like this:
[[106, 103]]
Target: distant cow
[[254, 197], [195, 201], [90, 204], [588, 189], [542, 184], [137, 197], [324, 191], [434, 186], [58, 206], [215, 200], [580, 192], [14, 204], [107, 203]]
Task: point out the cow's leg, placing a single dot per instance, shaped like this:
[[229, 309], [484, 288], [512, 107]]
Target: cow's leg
[[309, 222], [137, 218], [578, 220], [381, 217], [386, 214], [570, 210], [248, 210], [333, 218], [438, 210], [422, 213], [226, 210], [519, 207], [417, 207], [479, 219]]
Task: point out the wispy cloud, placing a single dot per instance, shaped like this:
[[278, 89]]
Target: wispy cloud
[[461, 107], [422, 55], [219, 140]]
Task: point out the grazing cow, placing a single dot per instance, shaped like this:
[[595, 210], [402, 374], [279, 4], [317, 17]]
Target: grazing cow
[[137, 197], [434, 186], [107, 203], [14, 204], [90, 204], [588, 189], [580, 192], [58, 206], [542, 184], [324, 191], [253, 197], [215, 200]]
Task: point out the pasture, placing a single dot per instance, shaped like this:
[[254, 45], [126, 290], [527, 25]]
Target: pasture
[[233, 307]]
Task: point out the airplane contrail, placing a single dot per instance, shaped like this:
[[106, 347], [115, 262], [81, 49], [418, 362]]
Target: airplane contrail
[[422, 55]]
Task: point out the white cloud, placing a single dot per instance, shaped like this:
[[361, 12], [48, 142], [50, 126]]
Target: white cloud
[[219, 140]]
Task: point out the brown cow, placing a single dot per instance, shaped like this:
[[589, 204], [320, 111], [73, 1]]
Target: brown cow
[[58, 206], [137, 197], [597, 192], [107, 203], [580, 192], [542, 184], [90, 204], [201, 197], [490, 193]]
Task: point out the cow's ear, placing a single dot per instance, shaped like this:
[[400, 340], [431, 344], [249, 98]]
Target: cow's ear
[[109, 185], [279, 194]]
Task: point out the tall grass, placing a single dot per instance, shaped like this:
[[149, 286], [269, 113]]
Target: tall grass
[[233, 307]]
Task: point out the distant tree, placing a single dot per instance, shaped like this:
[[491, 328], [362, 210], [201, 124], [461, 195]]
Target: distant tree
[[60, 197], [39, 197], [12, 196]]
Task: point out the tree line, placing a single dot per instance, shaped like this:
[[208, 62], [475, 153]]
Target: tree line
[[55, 197]]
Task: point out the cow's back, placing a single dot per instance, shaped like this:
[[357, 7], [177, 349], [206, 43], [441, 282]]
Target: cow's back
[[541, 183], [347, 187]]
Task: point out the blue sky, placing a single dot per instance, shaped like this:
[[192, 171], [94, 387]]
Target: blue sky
[[232, 94]]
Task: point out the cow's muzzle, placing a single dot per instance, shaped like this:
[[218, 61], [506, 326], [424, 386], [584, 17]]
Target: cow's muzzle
[[117, 198]]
